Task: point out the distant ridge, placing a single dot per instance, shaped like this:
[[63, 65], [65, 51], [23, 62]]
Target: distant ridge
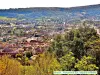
[[91, 12]]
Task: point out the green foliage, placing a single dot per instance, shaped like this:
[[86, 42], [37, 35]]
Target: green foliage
[[81, 42], [6, 18], [75, 40], [27, 70], [45, 64], [67, 61], [93, 49], [86, 64]]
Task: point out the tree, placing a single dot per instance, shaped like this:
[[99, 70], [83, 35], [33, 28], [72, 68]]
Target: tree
[[93, 49], [76, 39], [57, 46], [77, 47], [12, 67], [75, 43], [67, 61], [45, 64], [86, 64]]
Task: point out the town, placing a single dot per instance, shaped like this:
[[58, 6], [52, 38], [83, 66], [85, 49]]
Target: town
[[39, 41]]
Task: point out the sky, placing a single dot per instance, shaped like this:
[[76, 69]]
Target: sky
[[6, 4]]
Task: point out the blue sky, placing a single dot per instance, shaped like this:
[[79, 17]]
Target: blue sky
[[6, 4]]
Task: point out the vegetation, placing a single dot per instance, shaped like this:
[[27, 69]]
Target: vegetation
[[9, 66], [67, 62], [86, 64], [76, 50], [45, 64]]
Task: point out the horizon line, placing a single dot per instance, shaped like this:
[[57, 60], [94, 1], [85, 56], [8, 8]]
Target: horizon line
[[51, 7]]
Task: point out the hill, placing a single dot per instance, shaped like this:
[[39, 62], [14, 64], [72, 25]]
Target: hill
[[91, 12]]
